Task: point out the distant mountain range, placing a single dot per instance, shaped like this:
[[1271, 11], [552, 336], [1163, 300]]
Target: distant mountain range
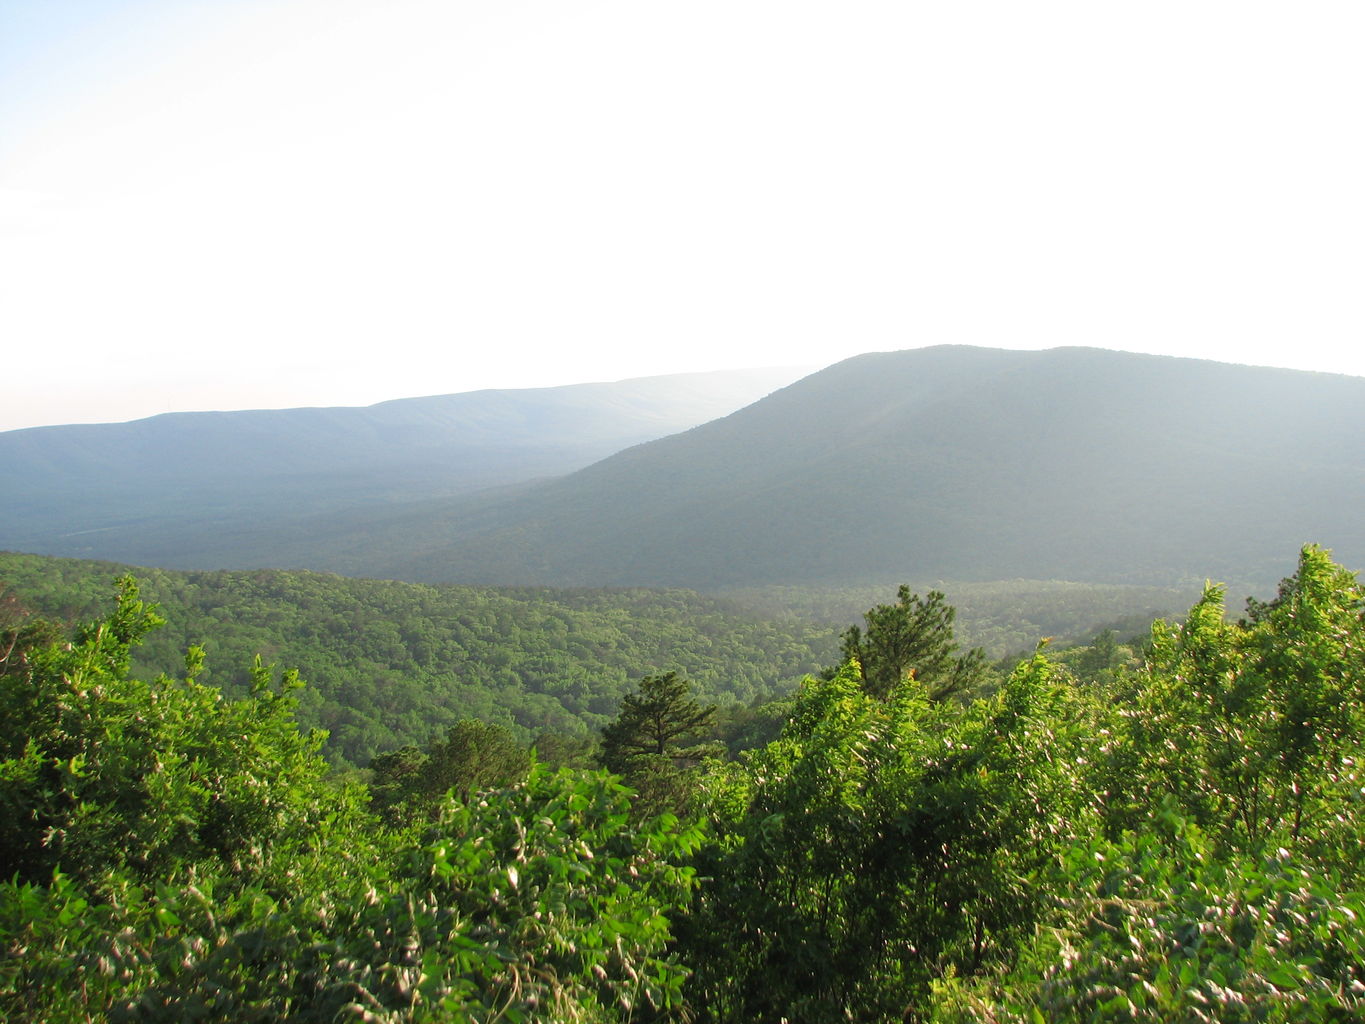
[[216, 489], [949, 462]]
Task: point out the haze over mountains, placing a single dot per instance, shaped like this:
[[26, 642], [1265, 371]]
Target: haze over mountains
[[207, 489], [950, 462]]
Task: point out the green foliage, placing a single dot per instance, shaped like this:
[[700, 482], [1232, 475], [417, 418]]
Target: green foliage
[[566, 750], [914, 636], [1104, 661], [881, 843], [741, 728], [408, 783], [537, 903], [656, 743], [21, 633], [1002, 617], [1166, 841], [122, 803], [1229, 886], [1256, 726], [63, 958], [393, 664], [659, 720], [177, 856], [574, 898], [541, 903], [1162, 927], [101, 772]]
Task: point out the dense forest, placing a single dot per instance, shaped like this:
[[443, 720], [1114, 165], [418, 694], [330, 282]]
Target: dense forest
[[390, 663], [1161, 832]]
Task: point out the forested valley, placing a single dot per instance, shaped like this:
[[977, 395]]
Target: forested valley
[[1163, 828], [391, 663]]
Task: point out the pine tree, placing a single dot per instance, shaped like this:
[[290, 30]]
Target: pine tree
[[912, 636], [657, 721]]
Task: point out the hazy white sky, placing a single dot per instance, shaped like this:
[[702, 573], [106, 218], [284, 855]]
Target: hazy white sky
[[258, 203]]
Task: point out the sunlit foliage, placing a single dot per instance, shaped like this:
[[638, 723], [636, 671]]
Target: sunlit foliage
[[1160, 832]]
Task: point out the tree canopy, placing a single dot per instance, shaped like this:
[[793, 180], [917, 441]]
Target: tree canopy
[[913, 637], [472, 756], [398, 664], [170, 854], [659, 720], [1172, 835]]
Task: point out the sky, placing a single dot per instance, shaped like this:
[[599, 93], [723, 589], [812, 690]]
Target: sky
[[222, 204]]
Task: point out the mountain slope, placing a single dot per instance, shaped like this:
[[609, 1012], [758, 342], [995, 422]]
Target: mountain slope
[[947, 462], [208, 489]]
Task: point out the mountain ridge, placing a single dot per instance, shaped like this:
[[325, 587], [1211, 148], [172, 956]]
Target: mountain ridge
[[945, 462], [192, 477], [975, 443]]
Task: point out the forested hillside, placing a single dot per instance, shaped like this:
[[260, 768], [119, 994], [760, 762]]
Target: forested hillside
[[1173, 839], [213, 490], [394, 663], [1003, 617], [951, 463], [276, 794], [947, 463]]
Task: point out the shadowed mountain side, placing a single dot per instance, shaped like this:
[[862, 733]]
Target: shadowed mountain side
[[230, 489], [948, 462]]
